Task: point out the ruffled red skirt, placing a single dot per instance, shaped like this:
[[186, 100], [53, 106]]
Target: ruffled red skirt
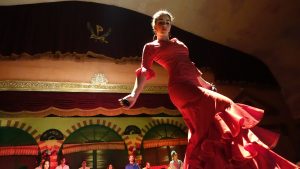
[[223, 134]]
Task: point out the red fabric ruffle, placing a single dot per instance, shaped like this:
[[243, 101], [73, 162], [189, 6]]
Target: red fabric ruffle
[[239, 143]]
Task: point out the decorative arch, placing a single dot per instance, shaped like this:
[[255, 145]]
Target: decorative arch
[[52, 134], [136, 144], [132, 129], [155, 122], [84, 123], [18, 147], [97, 141], [92, 122], [23, 126], [41, 147], [162, 136], [17, 142]]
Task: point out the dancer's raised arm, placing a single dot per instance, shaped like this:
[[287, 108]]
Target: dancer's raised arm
[[129, 100], [143, 74]]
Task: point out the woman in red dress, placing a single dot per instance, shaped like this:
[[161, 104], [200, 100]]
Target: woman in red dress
[[222, 134]]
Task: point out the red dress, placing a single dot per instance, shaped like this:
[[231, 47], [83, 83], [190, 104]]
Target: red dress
[[222, 134]]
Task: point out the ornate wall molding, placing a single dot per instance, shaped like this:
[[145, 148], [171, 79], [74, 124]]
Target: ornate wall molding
[[109, 124], [90, 112], [16, 85], [157, 122]]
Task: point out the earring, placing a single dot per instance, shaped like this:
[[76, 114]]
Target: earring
[[154, 37]]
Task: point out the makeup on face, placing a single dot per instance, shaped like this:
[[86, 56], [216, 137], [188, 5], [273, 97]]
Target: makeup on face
[[163, 26]]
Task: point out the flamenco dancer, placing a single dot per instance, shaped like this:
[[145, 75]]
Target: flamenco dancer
[[222, 134]]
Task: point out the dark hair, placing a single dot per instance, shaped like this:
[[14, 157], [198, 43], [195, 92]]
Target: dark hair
[[173, 153], [44, 163]]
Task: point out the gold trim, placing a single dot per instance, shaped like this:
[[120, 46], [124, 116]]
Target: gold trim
[[90, 112], [9, 85], [58, 55]]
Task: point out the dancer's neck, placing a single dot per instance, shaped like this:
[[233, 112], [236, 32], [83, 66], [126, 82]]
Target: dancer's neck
[[163, 38]]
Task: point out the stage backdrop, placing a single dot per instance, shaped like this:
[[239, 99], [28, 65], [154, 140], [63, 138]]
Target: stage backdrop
[[79, 27]]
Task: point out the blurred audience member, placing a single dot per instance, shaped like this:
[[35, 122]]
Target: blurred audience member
[[83, 165], [175, 163], [63, 164], [132, 164], [46, 165], [148, 166], [110, 166]]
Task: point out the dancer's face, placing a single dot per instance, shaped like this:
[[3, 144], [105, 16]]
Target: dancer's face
[[162, 26]]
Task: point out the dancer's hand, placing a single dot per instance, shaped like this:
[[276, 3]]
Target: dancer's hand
[[207, 85], [213, 87], [127, 101]]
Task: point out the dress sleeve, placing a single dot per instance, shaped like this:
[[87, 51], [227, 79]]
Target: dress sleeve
[[147, 61]]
